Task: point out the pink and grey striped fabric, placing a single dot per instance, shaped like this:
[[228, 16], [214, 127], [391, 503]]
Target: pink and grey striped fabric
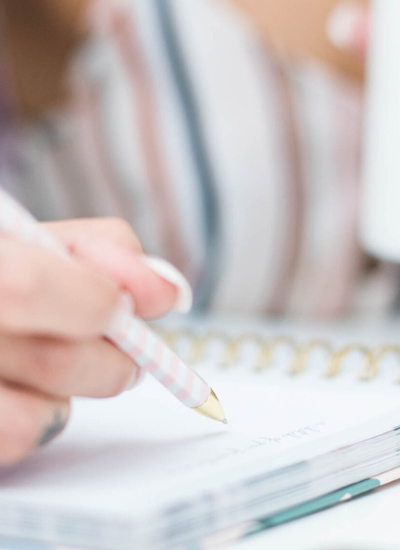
[[239, 168]]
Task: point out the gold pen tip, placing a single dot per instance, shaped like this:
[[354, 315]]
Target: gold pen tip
[[212, 408]]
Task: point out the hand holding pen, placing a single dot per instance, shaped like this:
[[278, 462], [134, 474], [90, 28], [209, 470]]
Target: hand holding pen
[[53, 314]]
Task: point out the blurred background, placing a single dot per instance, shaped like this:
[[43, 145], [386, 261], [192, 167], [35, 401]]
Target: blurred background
[[228, 133]]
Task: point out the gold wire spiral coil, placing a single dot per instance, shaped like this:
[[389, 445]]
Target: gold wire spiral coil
[[201, 342], [173, 338], [266, 350], [302, 355], [369, 369], [338, 356], [231, 356]]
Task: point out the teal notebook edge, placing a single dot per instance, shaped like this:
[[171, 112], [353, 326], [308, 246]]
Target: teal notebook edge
[[302, 510], [317, 505]]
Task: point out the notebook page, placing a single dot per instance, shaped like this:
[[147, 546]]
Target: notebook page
[[125, 456]]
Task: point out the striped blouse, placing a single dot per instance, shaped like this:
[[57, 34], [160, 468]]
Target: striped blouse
[[241, 169]]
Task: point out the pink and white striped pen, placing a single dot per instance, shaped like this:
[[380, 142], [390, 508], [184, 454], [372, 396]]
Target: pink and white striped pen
[[126, 331]]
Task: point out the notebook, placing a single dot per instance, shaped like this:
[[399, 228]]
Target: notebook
[[140, 471]]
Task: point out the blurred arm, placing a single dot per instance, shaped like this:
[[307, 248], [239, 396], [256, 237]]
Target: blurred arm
[[38, 38], [299, 29]]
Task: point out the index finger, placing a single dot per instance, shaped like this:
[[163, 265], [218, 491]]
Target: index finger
[[43, 294]]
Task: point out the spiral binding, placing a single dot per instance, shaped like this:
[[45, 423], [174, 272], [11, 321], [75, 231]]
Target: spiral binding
[[267, 348]]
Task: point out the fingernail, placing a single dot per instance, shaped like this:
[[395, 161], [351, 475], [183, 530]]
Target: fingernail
[[168, 272], [341, 26], [55, 427], [137, 378]]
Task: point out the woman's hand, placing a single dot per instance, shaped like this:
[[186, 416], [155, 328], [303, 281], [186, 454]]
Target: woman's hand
[[52, 316]]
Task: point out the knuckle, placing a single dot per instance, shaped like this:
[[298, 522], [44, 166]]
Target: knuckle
[[123, 231], [118, 384], [18, 287], [51, 363], [119, 227], [17, 437], [102, 310], [116, 368]]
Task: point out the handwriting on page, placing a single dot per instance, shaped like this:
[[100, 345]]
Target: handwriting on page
[[237, 447]]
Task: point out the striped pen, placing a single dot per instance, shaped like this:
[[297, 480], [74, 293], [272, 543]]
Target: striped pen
[[126, 331]]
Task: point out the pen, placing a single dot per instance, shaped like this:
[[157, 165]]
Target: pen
[[126, 331]]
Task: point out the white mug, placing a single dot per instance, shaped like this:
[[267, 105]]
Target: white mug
[[380, 205]]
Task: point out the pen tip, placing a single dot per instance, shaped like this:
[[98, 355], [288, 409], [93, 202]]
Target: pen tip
[[224, 421]]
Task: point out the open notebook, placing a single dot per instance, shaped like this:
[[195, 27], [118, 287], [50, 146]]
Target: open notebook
[[142, 472]]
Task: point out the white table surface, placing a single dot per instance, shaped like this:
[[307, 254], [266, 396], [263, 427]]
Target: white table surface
[[369, 522]]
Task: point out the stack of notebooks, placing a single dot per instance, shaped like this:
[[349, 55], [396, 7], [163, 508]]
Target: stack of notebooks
[[306, 419]]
